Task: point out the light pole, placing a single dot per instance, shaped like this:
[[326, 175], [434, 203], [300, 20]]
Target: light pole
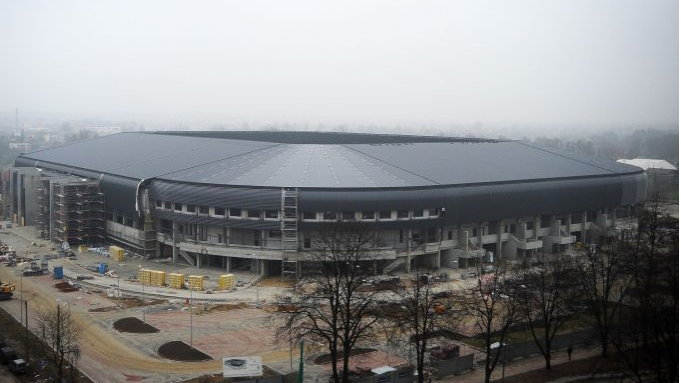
[[301, 365], [144, 307], [191, 316]]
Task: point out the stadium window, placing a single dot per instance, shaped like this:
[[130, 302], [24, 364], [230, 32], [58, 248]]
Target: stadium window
[[402, 214], [190, 209], [203, 209], [348, 215], [168, 205], [450, 235], [417, 214], [530, 225], [119, 219], [220, 238], [159, 204], [368, 215], [512, 228], [384, 214], [178, 207], [271, 214], [253, 213], [433, 213], [235, 213], [219, 211], [475, 233], [307, 243], [401, 236], [329, 216], [309, 215], [505, 228], [274, 234]]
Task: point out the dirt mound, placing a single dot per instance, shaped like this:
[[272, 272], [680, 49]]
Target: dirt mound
[[225, 307], [134, 325], [182, 352], [103, 309]]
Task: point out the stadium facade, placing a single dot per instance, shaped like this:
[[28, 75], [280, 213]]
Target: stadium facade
[[257, 199]]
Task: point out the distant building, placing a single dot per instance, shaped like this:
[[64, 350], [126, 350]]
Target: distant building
[[20, 146], [258, 199]]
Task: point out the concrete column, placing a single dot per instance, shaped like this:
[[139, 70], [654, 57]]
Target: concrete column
[[408, 264], [521, 230], [174, 231], [438, 258], [614, 217], [537, 225], [462, 238], [500, 231], [198, 260], [584, 220], [228, 264]]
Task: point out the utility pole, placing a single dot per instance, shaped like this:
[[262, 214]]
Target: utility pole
[[302, 365], [26, 332]]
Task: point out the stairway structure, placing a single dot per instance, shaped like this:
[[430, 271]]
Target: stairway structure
[[289, 233]]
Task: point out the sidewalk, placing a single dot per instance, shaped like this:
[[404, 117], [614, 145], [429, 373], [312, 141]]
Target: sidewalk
[[521, 366]]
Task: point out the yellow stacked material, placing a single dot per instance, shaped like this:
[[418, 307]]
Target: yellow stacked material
[[157, 278], [144, 276], [195, 282], [226, 281], [175, 280], [82, 248], [117, 253]]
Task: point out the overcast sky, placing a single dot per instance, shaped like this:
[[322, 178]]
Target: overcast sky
[[533, 62]]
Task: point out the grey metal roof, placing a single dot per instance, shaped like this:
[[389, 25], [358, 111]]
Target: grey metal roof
[[385, 163]]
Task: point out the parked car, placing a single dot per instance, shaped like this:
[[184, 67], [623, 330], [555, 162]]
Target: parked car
[[7, 354], [18, 366]]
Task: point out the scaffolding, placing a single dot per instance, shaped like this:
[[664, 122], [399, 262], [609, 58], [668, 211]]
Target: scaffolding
[[289, 233], [42, 218], [78, 212]]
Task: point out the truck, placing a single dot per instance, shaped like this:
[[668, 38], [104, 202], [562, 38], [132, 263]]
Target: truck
[[6, 290]]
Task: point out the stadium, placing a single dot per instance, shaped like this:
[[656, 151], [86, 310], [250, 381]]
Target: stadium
[[255, 200]]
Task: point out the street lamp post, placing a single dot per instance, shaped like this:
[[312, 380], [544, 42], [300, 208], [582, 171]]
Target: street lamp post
[[191, 316]]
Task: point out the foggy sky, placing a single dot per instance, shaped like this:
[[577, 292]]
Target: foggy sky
[[533, 62]]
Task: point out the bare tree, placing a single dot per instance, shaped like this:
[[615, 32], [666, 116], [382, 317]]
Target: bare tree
[[647, 342], [493, 308], [61, 332], [548, 298], [339, 310], [603, 273], [418, 315]]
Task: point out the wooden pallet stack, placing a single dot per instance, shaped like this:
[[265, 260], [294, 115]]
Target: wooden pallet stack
[[175, 280], [117, 253], [226, 282], [195, 282], [157, 278], [144, 276]]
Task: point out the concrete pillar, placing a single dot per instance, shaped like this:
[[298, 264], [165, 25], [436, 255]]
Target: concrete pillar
[[614, 217], [462, 238], [500, 231], [537, 226], [409, 238], [174, 231], [438, 259], [521, 232], [228, 264], [198, 260], [584, 221]]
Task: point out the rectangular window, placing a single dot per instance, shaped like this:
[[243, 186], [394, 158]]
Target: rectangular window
[[450, 235], [368, 215], [512, 228], [178, 207], [417, 213], [383, 214], [309, 215], [475, 233], [402, 214], [307, 243], [401, 236], [254, 214], [235, 212], [274, 234], [168, 205], [220, 238], [203, 209], [159, 204], [433, 212], [329, 216], [219, 211], [505, 228], [530, 225], [191, 209], [272, 214], [348, 215]]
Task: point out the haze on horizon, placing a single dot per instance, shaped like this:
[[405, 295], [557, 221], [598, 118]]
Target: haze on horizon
[[566, 62]]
